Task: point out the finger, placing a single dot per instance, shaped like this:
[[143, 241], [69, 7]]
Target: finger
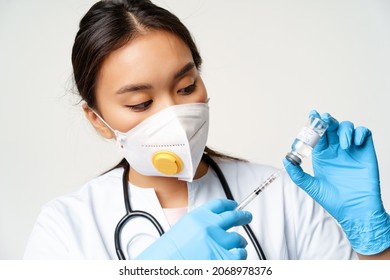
[[361, 134], [331, 132], [346, 134], [231, 219], [228, 240], [314, 113], [238, 254], [301, 179], [220, 205]]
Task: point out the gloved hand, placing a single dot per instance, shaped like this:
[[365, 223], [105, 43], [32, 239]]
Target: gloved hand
[[202, 235], [346, 184]]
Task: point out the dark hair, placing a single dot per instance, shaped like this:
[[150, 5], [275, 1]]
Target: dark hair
[[107, 26]]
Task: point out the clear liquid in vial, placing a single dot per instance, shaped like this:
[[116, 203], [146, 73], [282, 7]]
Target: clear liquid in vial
[[306, 140]]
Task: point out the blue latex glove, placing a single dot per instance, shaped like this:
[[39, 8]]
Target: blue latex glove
[[346, 184], [202, 235]]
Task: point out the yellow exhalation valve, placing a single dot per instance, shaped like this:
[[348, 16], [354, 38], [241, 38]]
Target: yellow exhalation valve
[[167, 163]]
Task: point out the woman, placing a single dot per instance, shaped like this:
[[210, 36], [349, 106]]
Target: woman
[[137, 69]]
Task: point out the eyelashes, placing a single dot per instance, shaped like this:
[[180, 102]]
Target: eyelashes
[[188, 90], [141, 106], [145, 105]]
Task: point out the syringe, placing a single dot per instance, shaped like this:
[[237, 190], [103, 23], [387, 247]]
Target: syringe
[[302, 147], [259, 189]]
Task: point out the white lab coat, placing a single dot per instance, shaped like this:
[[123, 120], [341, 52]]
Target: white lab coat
[[286, 221]]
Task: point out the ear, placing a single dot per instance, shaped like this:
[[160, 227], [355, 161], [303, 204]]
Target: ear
[[97, 123]]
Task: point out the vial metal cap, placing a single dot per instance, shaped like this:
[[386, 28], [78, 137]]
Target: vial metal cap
[[293, 159]]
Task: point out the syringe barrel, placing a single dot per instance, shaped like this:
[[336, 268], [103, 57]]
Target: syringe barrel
[[246, 201], [259, 189]]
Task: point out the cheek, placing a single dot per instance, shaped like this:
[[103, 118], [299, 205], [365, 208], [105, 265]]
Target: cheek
[[116, 114], [121, 118]]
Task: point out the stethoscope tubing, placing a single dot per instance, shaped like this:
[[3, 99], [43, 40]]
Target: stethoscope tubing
[[129, 215], [132, 214]]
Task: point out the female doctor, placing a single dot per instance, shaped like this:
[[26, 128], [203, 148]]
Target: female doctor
[[137, 69]]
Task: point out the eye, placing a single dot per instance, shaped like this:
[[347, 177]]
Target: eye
[[141, 106], [187, 90]]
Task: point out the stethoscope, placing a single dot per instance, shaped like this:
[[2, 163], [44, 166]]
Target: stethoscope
[[130, 214]]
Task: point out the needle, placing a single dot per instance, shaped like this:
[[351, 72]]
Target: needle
[[259, 189]]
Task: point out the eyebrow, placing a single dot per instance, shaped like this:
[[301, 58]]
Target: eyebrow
[[187, 68], [139, 87], [131, 88]]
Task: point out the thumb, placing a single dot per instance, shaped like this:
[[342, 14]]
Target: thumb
[[301, 179]]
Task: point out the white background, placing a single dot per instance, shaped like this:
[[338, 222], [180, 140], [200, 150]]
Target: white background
[[267, 63]]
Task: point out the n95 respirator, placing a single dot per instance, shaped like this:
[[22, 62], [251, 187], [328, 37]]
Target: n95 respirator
[[169, 143]]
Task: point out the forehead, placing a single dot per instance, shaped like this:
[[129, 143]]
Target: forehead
[[147, 56]]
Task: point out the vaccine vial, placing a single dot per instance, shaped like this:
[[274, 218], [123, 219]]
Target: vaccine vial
[[306, 140]]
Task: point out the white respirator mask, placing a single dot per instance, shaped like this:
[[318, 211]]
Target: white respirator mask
[[169, 143]]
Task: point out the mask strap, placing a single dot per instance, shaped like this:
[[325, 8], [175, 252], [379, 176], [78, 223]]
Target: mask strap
[[117, 134], [100, 118]]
